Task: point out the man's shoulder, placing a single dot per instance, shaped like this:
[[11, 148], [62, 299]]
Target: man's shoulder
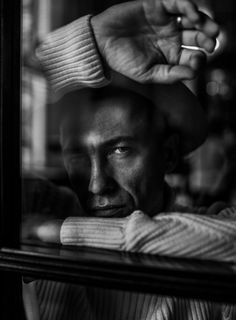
[[218, 208], [41, 196]]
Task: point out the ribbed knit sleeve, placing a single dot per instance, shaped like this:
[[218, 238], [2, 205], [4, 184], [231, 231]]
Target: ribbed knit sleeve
[[174, 234], [70, 58], [94, 232], [184, 235]]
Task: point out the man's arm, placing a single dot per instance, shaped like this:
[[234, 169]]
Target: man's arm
[[173, 234], [139, 39], [205, 234]]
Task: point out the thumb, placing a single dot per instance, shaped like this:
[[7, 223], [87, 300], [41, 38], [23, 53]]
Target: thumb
[[168, 74]]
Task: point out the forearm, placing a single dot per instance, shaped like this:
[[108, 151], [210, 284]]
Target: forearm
[[70, 59], [94, 232], [184, 235], [175, 234]]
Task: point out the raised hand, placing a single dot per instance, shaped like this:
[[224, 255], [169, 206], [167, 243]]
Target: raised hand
[[145, 40]]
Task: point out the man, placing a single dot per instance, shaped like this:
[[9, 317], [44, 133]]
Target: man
[[143, 41], [117, 148]]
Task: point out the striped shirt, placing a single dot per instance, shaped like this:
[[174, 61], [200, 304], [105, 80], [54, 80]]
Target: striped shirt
[[60, 301], [173, 233]]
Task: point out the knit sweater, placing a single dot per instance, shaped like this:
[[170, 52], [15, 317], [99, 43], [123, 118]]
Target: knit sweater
[[70, 59], [173, 233], [207, 234], [61, 301]]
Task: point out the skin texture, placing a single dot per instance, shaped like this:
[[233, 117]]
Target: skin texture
[[115, 159], [143, 41]]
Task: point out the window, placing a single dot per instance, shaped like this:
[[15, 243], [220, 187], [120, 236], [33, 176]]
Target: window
[[21, 153]]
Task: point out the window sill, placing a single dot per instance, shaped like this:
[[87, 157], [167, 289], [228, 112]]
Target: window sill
[[125, 271]]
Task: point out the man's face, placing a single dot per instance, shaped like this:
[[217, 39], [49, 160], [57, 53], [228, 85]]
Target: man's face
[[114, 160]]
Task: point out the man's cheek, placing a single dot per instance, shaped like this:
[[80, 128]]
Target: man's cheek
[[132, 179]]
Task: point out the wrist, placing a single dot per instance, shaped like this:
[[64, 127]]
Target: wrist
[[96, 28]]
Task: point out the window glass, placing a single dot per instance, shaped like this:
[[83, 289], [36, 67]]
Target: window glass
[[200, 179], [92, 157]]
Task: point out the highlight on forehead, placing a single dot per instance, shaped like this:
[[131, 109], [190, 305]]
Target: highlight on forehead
[[81, 103]]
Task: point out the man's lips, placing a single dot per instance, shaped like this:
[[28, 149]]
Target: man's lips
[[107, 211], [108, 207]]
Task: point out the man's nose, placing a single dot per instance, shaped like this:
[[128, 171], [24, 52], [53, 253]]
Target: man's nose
[[100, 181]]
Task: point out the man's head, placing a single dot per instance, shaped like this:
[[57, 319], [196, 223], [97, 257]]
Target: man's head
[[116, 151]]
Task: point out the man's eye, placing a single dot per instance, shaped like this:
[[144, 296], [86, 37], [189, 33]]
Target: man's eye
[[120, 150]]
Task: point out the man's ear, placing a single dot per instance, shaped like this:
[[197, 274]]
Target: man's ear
[[171, 152]]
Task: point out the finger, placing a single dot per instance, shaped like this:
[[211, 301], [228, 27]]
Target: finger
[[187, 24], [187, 9], [208, 26], [198, 39], [176, 7], [167, 74], [194, 59], [205, 24]]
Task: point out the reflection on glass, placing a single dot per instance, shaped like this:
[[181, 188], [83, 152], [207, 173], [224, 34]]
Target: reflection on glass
[[104, 168]]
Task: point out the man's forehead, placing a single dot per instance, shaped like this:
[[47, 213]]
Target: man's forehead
[[105, 121]]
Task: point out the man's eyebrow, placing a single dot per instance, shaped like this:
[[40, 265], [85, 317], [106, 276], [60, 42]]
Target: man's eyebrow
[[119, 139], [73, 149]]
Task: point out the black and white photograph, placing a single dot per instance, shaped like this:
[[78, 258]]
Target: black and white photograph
[[118, 160]]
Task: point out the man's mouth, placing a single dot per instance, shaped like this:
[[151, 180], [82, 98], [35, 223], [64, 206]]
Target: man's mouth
[[109, 211]]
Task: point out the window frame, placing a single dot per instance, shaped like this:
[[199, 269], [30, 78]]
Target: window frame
[[127, 271], [189, 278], [10, 290]]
